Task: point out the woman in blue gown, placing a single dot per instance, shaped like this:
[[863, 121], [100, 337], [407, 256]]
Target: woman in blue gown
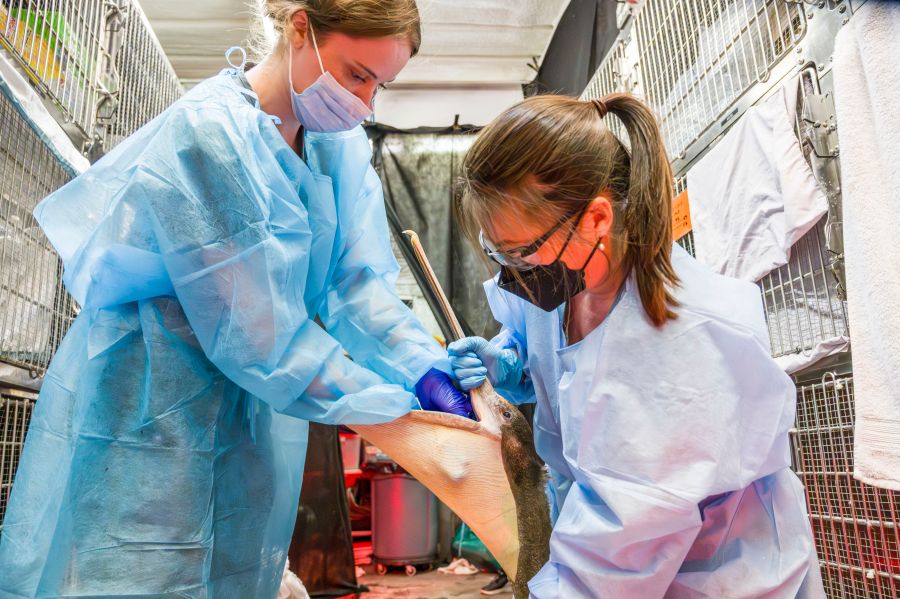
[[225, 257]]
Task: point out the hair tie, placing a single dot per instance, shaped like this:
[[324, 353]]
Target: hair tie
[[600, 105]]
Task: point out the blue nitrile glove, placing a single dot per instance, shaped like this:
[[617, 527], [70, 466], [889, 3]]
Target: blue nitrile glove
[[474, 358], [436, 392]]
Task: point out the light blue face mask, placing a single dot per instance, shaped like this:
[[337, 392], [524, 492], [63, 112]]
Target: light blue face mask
[[326, 105]]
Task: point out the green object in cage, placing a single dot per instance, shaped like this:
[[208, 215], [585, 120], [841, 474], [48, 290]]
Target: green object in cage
[[52, 27], [466, 544], [57, 37], [47, 25]]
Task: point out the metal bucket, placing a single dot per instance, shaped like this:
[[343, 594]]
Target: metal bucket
[[404, 520]]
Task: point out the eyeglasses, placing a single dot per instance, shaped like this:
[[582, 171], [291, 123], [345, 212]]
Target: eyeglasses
[[516, 258]]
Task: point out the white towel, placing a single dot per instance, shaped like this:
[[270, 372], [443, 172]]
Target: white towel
[[792, 363], [867, 97], [753, 195], [291, 587]]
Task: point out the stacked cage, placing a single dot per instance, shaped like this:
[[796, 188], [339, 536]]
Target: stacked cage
[[58, 46], [82, 58], [700, 64]]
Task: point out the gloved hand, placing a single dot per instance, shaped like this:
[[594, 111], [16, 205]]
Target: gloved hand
[[436, 392], [474, 358]]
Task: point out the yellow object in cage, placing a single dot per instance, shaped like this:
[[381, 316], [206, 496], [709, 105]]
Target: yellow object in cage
[[36, 50]]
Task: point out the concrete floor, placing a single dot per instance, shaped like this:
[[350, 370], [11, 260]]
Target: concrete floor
[[425, 585]]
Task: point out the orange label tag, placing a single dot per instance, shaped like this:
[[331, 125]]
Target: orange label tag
[[681, 216]]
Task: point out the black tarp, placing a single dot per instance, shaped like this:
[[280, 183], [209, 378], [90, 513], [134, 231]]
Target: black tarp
[[321, 551], [420, 172], [581, 40]]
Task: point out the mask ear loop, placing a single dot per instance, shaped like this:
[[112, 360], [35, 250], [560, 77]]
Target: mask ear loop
[[562, 250], [597, 246], [312, 35], [571, 234], [567, 315]]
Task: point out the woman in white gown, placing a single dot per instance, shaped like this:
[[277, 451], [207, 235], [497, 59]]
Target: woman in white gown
[[660, 413]]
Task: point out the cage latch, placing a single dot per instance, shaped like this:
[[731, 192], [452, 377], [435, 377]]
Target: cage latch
[[108, 79], [819, 136]]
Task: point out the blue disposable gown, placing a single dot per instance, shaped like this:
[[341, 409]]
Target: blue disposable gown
[[166, 450], [668, 448]]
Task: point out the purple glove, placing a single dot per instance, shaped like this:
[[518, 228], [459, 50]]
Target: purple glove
[[436, 392]]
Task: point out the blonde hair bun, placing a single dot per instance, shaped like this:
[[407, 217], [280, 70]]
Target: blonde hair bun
[[357, 18]]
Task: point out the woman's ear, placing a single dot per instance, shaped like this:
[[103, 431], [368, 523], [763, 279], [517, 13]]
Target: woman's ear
[[598, 218], [299, 27]]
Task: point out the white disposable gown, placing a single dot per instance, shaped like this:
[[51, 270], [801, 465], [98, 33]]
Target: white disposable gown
[[668, 448], [166, 451]]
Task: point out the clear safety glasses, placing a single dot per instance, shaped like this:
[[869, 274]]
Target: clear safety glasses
[[516, 258]]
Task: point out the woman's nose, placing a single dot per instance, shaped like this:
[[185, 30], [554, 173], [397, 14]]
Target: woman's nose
[[366, 93]]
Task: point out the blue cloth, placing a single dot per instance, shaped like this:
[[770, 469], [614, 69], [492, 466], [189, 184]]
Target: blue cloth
[[668, 448], [166, 451]]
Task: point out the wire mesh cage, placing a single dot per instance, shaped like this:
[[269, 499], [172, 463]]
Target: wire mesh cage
[[687, 242], [854, 524], [699, 56], [15, 415], [147, 82], [801, 299], [58, 44], [613, 75], [693, 59], [35, 310]]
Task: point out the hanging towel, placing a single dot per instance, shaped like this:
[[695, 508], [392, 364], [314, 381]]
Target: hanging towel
[[867, 98], [754, 195], [792, 363]]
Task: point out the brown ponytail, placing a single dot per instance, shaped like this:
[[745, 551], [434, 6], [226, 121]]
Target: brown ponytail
[[647, 214], [547, 155]]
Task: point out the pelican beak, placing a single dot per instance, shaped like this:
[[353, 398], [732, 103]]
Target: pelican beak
[[488, 405]]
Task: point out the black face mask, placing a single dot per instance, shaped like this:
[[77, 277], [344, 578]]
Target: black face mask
[[547, 287]]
